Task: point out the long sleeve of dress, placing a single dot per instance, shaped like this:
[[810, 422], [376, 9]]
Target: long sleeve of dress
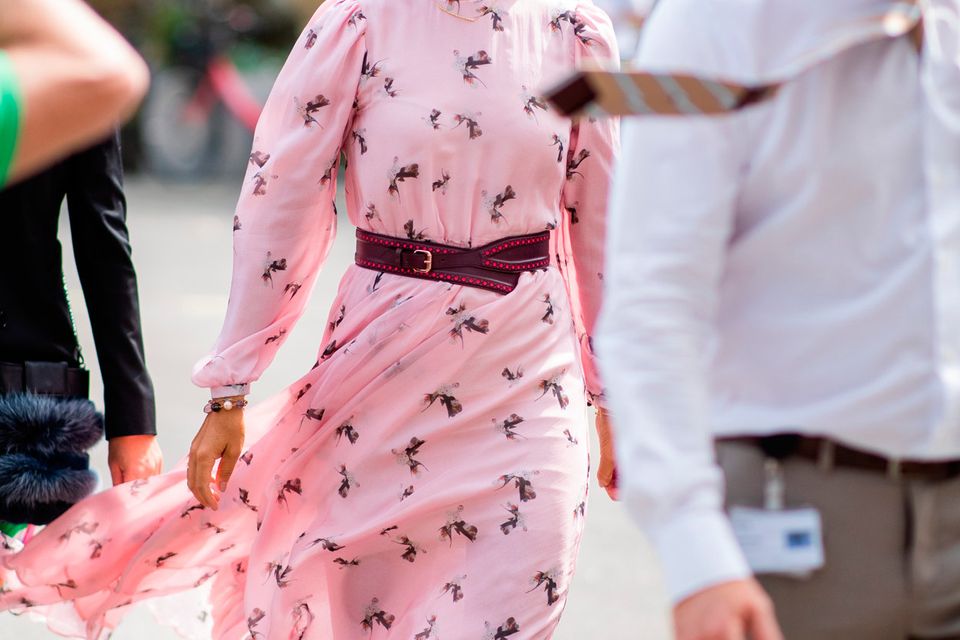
[[286, 218], [594, 146], [101, 245]]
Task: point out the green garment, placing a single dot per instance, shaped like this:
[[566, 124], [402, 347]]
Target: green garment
[[10, 101], [11, 529]]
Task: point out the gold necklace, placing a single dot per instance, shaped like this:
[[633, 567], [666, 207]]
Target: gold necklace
[[455, 15]]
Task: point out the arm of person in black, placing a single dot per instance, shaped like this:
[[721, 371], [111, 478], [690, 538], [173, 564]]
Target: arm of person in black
[[101, 244]]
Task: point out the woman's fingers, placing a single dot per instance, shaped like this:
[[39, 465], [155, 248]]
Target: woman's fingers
[[205, 461], [220, 438], [607, 469], [192, 462], [227, 464], [613, 487], [191, 466], [200, 469]]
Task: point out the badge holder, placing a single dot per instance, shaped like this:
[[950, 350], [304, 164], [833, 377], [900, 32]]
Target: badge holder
[[776, 540]]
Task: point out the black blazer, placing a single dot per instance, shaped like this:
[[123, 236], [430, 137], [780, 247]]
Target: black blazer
[[35, 318]]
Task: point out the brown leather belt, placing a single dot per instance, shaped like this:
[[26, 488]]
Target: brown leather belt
[[496, 266], [829, 453]]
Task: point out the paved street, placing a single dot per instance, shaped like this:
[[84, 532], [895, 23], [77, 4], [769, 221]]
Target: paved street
[[181, 238]]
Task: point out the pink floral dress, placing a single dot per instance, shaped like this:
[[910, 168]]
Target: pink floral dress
[[427, 478]]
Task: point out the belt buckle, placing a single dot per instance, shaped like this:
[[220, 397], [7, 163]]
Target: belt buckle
[[428, 261]]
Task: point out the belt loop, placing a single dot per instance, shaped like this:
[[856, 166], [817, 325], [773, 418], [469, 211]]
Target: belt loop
[[894, 469], [826, 455]]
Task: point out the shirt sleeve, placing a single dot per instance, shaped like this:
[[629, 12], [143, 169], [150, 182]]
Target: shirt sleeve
[[594, 145], [98, 212], [286, 217], [671, 219], [10, 116]]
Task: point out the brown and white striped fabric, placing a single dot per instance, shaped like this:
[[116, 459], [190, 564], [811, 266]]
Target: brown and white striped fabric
[[630, 93]]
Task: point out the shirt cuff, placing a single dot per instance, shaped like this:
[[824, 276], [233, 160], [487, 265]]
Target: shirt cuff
[[239, 389], [697, 549]]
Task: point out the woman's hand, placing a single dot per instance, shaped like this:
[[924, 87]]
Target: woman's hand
[[607, 471], [220, 437]]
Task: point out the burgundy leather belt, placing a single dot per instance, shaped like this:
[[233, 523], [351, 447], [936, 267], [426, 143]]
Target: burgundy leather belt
[[496, 266], [831, 454]]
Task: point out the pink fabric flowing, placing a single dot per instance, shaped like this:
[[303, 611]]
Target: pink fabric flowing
[[427, 478]]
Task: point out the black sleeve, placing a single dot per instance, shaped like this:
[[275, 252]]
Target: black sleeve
[[98, 212]]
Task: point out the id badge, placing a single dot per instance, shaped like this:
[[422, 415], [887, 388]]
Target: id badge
[[781, 541]]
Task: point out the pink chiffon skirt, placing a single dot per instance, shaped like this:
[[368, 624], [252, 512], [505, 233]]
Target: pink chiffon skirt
[[426, 480]]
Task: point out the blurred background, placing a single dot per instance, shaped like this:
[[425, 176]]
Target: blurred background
[[213, 63]]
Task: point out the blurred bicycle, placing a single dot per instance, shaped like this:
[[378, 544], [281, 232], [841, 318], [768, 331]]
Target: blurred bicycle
[[215, 68]]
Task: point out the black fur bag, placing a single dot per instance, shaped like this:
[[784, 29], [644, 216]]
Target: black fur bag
[[44, 466]]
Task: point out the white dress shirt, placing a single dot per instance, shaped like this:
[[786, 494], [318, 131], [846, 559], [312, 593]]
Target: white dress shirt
[[794, 267]]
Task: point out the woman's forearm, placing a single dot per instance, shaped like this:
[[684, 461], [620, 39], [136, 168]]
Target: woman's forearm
[[77, 77]]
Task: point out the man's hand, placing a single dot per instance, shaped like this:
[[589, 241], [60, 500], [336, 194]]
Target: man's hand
[[220, 437], [737, 610], [134, 458], [607, 470]]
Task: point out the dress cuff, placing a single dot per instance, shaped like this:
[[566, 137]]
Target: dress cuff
[[697, 549], [239, 389], [598, 400]]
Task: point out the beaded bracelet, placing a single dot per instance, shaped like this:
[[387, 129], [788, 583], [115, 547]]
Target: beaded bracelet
[[216, 406]]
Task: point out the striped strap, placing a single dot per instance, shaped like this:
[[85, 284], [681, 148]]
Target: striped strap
[[632, 93], [637, 93]]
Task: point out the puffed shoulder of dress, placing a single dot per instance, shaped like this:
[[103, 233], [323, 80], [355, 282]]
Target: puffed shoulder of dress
[[325, 62]]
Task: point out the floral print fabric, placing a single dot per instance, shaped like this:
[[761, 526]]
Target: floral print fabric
[[427, 478]]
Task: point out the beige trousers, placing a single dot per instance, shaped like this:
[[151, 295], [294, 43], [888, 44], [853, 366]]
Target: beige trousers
[[892, 550]]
